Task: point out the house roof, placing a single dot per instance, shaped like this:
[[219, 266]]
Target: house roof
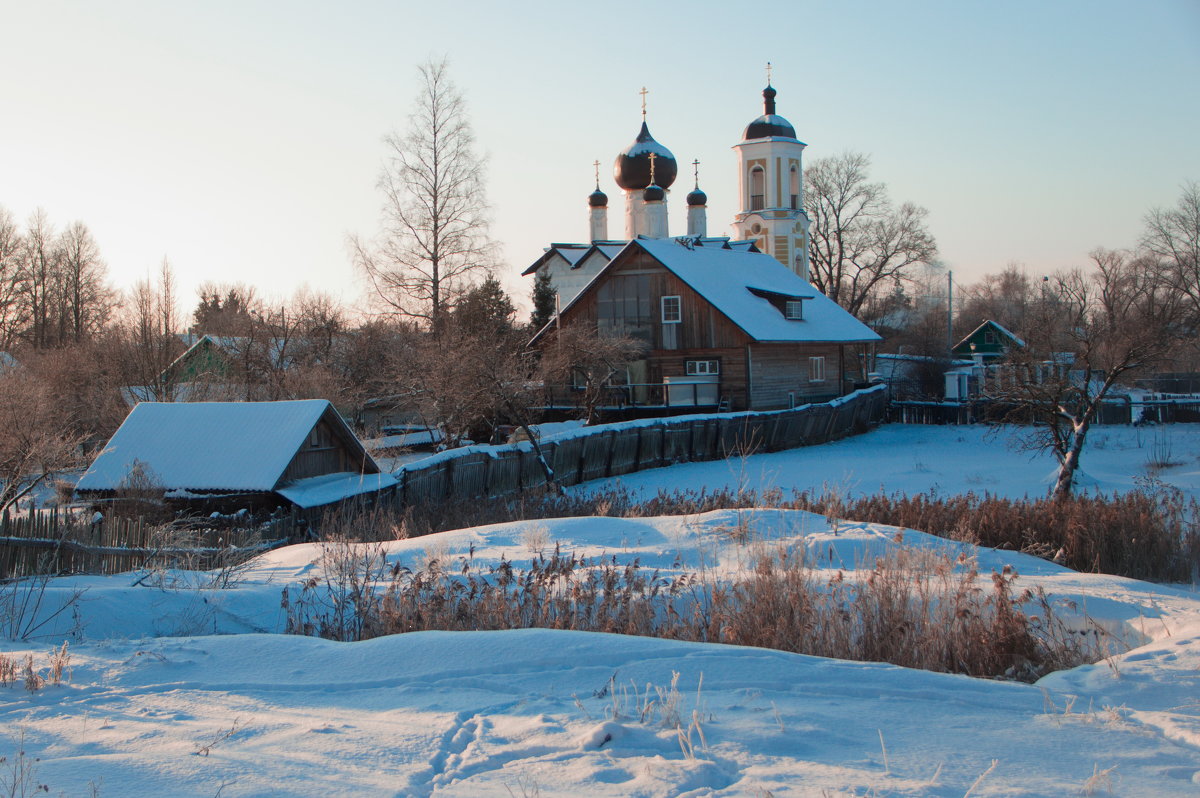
[[213, 446], [997, 326], [735, 281]]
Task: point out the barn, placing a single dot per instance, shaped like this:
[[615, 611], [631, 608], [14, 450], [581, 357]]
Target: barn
[[232, 455]]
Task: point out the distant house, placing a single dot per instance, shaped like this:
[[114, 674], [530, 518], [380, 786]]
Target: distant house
[[989, 342], [724, 326], [230, 455]]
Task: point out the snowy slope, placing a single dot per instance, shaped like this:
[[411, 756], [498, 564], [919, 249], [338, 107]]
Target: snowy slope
[[182, 690]]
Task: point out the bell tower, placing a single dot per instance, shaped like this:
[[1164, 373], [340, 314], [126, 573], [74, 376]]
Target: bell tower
[[771, 187]]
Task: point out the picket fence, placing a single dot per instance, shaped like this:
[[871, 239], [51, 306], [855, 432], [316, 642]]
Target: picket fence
[[44, 542], [47, 542]]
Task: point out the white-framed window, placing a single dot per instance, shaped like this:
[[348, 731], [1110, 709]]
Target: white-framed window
[[793, 310], [794, 180], [671, 312], [702, 367], [816, 369]]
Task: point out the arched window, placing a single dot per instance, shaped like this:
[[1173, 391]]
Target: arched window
[[795, 185], [758, 189]]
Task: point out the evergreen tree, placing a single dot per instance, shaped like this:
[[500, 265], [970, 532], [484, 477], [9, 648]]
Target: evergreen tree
[[543, 297]]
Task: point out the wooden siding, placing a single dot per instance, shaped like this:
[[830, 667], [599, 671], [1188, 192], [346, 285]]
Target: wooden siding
[[326, 450], [778, 370]]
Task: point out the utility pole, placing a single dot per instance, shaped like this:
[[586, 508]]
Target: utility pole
[[949, 312]]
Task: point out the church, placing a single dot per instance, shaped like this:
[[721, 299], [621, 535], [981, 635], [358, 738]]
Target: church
[[725, 321]]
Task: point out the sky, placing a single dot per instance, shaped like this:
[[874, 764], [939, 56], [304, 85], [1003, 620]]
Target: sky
[[243, 141]]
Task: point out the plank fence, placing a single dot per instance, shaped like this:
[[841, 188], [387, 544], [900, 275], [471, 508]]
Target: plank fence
[[616, 449], [45, 542]]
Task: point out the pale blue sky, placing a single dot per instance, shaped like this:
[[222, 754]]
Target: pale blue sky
[[242, 140]]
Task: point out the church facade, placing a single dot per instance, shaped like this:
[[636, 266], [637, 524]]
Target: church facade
[[770, 190]]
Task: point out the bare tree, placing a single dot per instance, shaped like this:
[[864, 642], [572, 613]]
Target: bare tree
[[11, 247], [577, 354], [860, 243], [85, 299], [149, 338], [37, 277], [36, 440], [1173, 234], [1090, 332], [435, 226]]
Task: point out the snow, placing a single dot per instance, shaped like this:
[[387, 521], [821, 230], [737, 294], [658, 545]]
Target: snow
[[913, 458], [724, 277], [330, 488], [181, 689]]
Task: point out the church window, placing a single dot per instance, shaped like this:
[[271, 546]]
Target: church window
[[795, 185], [671, 312], [758, 189], [816, 369]]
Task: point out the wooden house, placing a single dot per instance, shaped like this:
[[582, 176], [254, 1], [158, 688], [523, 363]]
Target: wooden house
[[989, 342], [230, 455], [723, 326]]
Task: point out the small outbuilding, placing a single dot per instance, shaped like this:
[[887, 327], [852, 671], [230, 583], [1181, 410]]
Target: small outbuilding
[[232, 455]]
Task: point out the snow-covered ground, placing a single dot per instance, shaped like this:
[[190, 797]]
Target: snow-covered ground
[[186, 690], [910, 458]]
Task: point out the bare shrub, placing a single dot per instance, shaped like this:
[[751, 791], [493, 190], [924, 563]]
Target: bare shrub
[[913, 608]]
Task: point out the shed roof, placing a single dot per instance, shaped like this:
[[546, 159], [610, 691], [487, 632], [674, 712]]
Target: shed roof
[[212, 446]]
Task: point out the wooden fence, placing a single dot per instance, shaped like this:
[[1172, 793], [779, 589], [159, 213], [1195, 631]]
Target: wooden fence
[[622, 448], [1117, 410], [47, 542]]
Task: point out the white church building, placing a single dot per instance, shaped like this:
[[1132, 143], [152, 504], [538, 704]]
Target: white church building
[[770, 187]]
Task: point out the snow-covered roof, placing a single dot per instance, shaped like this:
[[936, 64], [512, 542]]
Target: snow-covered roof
[[330, 488], [729, 278], [998, 326], [211, 446]]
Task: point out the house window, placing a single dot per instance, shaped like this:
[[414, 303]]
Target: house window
[[671, 313], [793, 309], [758, 189], [816, 369], [697, 368], [989, 337]]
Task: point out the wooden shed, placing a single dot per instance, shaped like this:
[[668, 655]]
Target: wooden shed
[[229, 455]]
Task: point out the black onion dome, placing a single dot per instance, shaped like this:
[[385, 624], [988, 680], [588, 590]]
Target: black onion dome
[[770, 124], [696, 197], [654, 192], [598, 199], [632, 167]]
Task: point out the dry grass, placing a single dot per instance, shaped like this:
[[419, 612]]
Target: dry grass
[[911, 608], [1149, 534]]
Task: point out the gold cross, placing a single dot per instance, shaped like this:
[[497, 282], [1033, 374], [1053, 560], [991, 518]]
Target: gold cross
[[768, 73], [643, 92], [696, 171], [597, 165], [653, 157]]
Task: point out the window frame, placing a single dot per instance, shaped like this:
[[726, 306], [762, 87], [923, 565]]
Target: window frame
[[678, 309], [702, 368], [793, 309], [816, 369]]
